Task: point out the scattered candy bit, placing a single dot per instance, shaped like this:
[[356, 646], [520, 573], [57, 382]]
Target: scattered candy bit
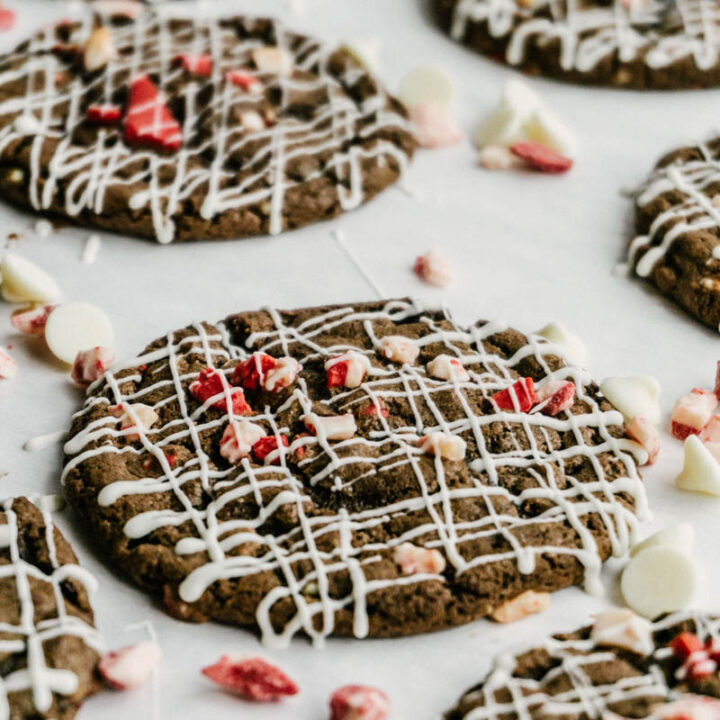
[[698, 658], [519, 397], [24, 281], [689, 707], [701, 471], [266, 449], [148, 121], [273, 60], [399, 348], [252, 121], [27, 124], [8, 366], [710, 436], [569, 345], [347, 370], [692, 412], [32, 321], [139, 416], [446, 367], [686, 644], [624, 629], [658, 580], [359, 702], [43, 228], [450, 447], [634, 396], [266, 372], [498, 157], [246, 80], [434, 268], [433, 126], [105, 114], [333, 427], [555, 396], [91, 364], [375, 408], [75, 326], [365, 51], [131, 666], [7, 18], [680, 537], [645, 433], [522, 606], [99, 49], [196, 64], [412, 559], [282, 375], [252, 678], [542, 158], [209, 384], [238, 440], [426, 85]]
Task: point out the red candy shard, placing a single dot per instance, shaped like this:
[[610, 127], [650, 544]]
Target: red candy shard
[[148, 121], [244, 79], [250, 374], [541, 158], [7, 18], [263, 447], [558, 395], [372, 409], [520, 396], [336, 375], [209, 384], [197, 64], [105, 114], [252, 678], [359, 702], [685, 644]]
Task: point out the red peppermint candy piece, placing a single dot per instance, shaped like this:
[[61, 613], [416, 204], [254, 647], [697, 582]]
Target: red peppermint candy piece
[[372, 409], [359, 702], [519, 397], [196, 64], [560, 395], [7, 18], [252, 678], [148, 121], [244, 79], [105, 114], [541, 158], [263, 447], [250, 374], [209, 384], [685, 644]]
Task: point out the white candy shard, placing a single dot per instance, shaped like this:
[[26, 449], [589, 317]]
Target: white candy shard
[[498, 157], [357, 367], [658, 580], [413, 559], [446, 367], [434, 268], [365, 50], [426, 85], [43, 228], [76, 326], [521, 606], [273, 60], [91, 364], [131, 666], [624, 629], [238, 439], [8, 366], [434, 126], [571, 345], [282, 374], [399, 348], [99, 49], [333, 427], [24, 281], [701, 471], [137, 416], [252, 121], [645, 433], [679, 537], [633, 396], [450, 447], [32, 321], [692, 412]]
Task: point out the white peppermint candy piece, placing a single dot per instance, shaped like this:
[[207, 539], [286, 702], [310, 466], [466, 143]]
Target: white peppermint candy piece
[[710, 436], [658, 580], [8, 366], [282, 374], [365, 50], [450, 447], [433, 126], [91, 365], [633, 396], [252, 121], [333, 427], [645, 433], [413, 559], [399, 348], [76, 326], [692, 412], [689, 707], [426, 85], [571, 346], [273, 60], [32, 321], [131, 666], [498, 157], [99, 49], [139, 416], [24, 281], [357, 367], [701, 471], [522, 606], [624, 629], [238, 439], [446, 367], [434, 268], [679, 537]]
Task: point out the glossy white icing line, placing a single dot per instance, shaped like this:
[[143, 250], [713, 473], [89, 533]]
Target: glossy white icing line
[[532, 447], [582, 697], [29, 635], [82, 178], [589, 33]]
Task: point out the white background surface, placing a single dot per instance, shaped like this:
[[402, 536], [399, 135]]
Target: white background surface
[[526, 248]]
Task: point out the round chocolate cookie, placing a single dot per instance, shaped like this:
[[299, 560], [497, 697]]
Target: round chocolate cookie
[[621, 667], [49, 643], [622, 43], [366, 470], [677, 221], [186, 129]]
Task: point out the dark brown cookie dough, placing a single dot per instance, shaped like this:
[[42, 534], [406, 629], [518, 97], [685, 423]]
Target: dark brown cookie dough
[[677, 221], [311, 544], [48, 644], [621, 43], [574, 677], [302, 144]]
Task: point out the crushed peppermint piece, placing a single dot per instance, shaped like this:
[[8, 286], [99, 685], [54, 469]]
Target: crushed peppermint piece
[[412, 559], [521, 606], [252, 678], [91, 365], [541, 158], [359, 702], [131, 666], [434, 268]]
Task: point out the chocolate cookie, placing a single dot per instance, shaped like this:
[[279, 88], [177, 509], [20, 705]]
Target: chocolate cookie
[[385, 472], [186, 129], [622, 43], [677, 221], [629, 669], [49, 644]]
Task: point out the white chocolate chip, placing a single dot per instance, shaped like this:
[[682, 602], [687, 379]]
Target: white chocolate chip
[[24, 281], [76, 326], [633, 396], [701, 471], [569, 344], [426, 85], [679, 537], [27, 125], [622, 628], [364, 50]]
